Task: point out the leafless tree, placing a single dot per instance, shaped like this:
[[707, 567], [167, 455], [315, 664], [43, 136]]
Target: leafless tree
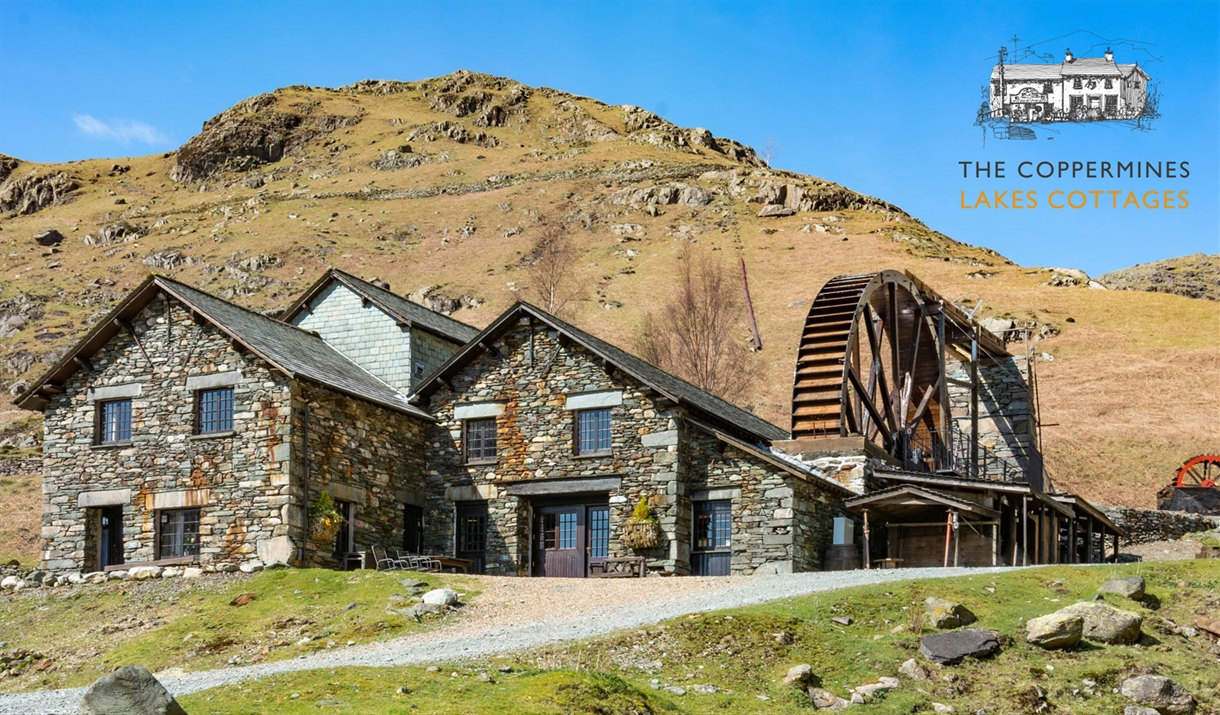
[[695, 333], [769, 150], [551, 271]]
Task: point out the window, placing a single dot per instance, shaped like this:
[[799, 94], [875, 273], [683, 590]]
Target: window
[[1077, 84], [480, 439], [417, 371], [1109, 84], [599, 532], [1047, 88], [472, 533], [593, 431], [713, 525], [113, 422], [214, 410], [178, 533]]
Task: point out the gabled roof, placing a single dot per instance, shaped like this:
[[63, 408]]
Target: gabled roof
[[1126, 70], [294, 352], [1093, 66], [708, 405], [908, 494], [412, 315], [1030, 72]]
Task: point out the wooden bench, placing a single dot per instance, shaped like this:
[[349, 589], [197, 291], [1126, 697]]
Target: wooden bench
[[621, 567]]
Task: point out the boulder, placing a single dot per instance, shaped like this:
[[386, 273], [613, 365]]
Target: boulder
[[1104, 623], [799, 675], [143, 573], [1159, 693], [130, 690], [1139, 710], [1131, 587], [1055, 630], [96, 577], [279, 548], [947, 614], [190, 572], [9, 583], [826, 700], [441, 597], [913, 670], [250, 567], [776, 211], [49, 237], [951, 647]]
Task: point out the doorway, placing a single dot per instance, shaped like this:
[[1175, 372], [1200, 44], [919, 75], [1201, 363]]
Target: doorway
[[711, 554], [472, 534], [570, 540], [413, 529], [110, 537]]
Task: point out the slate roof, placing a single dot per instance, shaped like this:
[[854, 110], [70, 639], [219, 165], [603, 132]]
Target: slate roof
[[1093, 66], [404, 311], [1031, 72], [294, 352], [675, 388], [1126, 70]]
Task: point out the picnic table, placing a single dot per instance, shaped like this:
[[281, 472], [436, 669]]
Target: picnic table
[[619, 567]]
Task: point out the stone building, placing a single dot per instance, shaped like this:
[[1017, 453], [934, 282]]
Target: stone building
[[186, 430], [1079, 88], [546, 438]]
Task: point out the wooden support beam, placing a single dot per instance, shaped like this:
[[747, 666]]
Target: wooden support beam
[[948, 533], [1025, 531], [868, 561], [83, 362], [995, 544], [1073, 555], [957, 540], [1088, 539]]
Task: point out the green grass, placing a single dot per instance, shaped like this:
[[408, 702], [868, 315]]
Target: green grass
[[737, 650], [190, 625]]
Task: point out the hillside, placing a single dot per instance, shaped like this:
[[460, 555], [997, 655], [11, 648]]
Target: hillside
[[440, 187], [1194, 276]]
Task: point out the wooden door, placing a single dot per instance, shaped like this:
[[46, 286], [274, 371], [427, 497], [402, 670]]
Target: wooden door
[[472, 533], [110, 543], [561, 540], [710, 553], [412, 529]]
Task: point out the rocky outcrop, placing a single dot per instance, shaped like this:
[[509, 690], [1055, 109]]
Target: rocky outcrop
[[430, 297], [1131, 587], [490, 100], [453, 131], [1146, 525], [254, 132], [1193, 276], [27, 193], [662, 195], [7, 165], [121, 232]]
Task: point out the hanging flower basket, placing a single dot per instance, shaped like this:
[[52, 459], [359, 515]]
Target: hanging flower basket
[[640, 535], [641, 530], [324, 519]]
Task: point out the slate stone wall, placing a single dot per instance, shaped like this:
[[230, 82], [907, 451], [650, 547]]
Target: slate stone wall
[[239, 479], [1146, 525], [428, 352], [1006, 420], [362, 453], [656, 453]]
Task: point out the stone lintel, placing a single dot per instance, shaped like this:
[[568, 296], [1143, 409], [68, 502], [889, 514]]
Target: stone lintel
[[660, 439], [184, 499], [716, 494], [478, 409], [408, 497], [564, 486], [472, 493], [215, 379], [346, 492], [591, 400], [114, 392], [107, 497]]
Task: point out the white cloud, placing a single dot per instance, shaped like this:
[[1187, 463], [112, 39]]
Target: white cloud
[[119, 130]]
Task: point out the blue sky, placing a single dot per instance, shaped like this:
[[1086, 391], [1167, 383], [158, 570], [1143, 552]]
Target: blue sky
[[878, 96]]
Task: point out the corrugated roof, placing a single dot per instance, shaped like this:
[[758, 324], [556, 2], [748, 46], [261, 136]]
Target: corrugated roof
[[397, 307], [295, 352], [675, 388]]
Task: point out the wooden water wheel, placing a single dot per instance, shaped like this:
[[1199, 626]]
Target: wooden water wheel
[[870, 364]]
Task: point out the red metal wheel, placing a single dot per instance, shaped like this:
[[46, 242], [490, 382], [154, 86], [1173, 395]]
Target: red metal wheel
[[1200, 471]]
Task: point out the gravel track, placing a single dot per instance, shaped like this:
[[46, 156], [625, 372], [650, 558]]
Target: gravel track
[[513, 614]]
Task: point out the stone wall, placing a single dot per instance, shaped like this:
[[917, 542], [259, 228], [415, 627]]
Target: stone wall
[[428, 352], [17, 466], [535, 431], [240, 479], [1006, 421], [363, 453], [1146, 525]]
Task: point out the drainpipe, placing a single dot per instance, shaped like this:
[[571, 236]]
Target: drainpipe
[[304, 478]]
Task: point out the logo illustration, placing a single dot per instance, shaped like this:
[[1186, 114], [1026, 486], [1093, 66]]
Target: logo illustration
[[1067, 88]]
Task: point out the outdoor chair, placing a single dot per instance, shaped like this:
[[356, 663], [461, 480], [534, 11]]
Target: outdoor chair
[[383, 561], [416, 562]]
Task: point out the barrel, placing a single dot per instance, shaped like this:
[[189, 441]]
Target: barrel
[[842, 557]]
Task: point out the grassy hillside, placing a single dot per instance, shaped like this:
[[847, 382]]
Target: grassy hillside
[[741, 654], [1194, 276], [444, 184]]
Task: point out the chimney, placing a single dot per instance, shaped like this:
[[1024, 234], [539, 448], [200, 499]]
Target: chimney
[[1067, 56], [1109, 55]]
